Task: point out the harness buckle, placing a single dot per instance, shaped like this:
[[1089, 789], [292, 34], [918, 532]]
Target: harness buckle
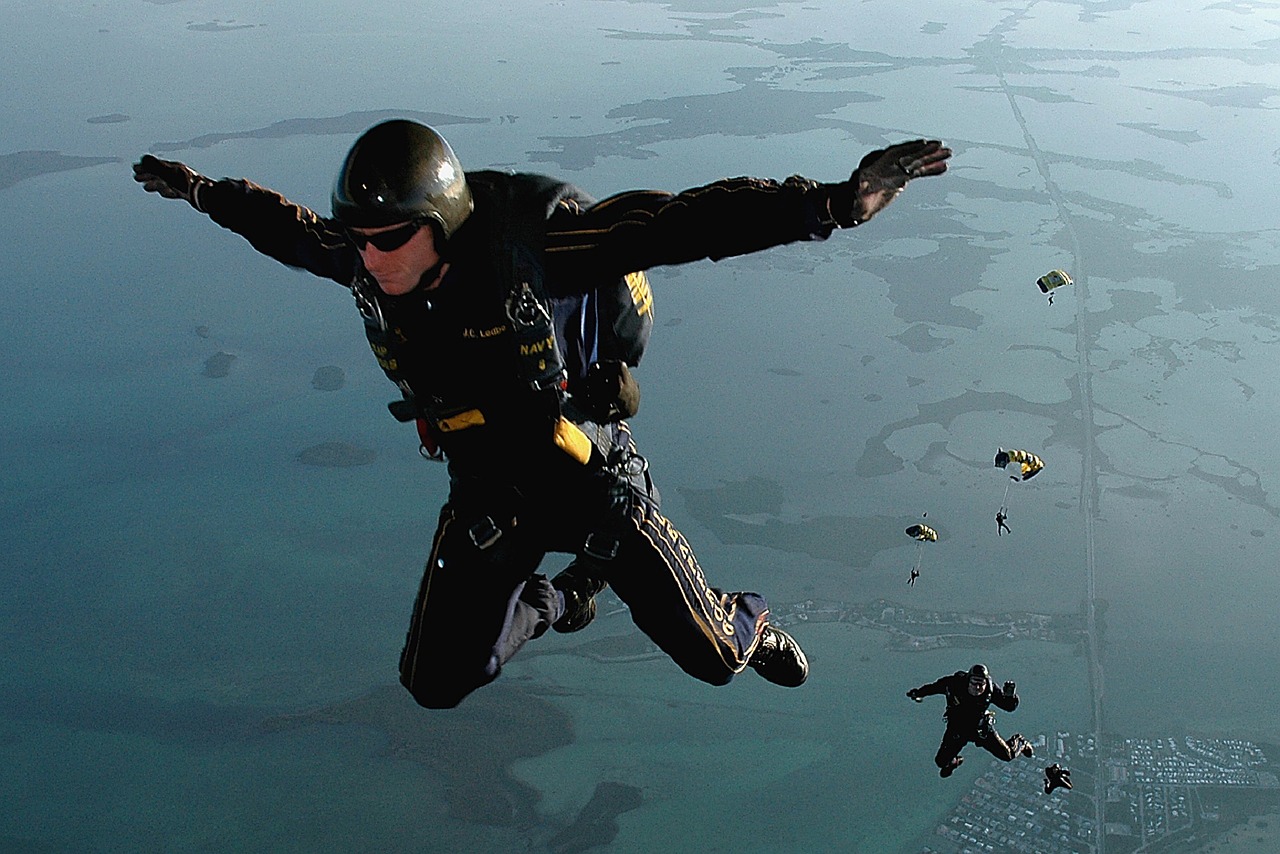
[[484, 533], [601, 546]]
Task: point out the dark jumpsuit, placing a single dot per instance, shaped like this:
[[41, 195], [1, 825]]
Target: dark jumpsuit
[[482, 598], [965, 713]]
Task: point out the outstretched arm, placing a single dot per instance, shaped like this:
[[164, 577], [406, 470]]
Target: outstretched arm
[[937, 687], [642, 229], [290, 233]]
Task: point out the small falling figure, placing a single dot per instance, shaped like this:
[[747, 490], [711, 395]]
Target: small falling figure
[[1055, 776]]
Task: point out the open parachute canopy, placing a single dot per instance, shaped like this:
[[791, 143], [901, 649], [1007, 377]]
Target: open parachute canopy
[[922, 533], [1053, 279], [1028, 463]]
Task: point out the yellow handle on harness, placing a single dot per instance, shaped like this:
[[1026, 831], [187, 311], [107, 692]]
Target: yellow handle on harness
[[570, 439]]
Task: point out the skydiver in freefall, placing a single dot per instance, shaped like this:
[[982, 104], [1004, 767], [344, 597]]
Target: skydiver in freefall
[[968, 718], [1055, 776]]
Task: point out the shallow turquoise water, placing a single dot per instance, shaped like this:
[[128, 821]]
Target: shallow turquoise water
[[174, 576]]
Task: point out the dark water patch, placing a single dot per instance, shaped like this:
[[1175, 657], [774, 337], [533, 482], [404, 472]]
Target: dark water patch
[[873, 398], [108, 119], [1064, 418], [926, 288], [785, 372], [218, 365], [918, 338], [21, 165], [1228, 350], [348, 123], [1250, 96], [1186, 137], [1245, 389], [597, 822], [472, 746], [848, 540], [329, 378], [933, 28], [202, 331], [336, 455], [756, 108]]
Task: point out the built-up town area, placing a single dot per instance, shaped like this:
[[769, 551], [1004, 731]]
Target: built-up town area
[[1165, 795]]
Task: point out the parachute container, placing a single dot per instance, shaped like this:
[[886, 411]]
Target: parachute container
[[1053, 279], [922, 533], [1029, 464]]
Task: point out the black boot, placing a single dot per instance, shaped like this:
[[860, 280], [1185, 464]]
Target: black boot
[[950, 767], [779, 659], [1020, 746], [579, 584]]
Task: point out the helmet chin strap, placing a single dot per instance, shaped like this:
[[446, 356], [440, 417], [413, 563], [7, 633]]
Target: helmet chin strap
[[430, 274]]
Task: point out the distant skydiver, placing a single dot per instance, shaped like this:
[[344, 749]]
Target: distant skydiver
[[1051, 280], [470, 286], [1055, 776], [1024, 464], [968, 718], [1001, 527], [922, 534]]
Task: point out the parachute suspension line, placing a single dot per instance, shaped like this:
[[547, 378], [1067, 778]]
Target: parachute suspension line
[[1004, 502], [919, 555]]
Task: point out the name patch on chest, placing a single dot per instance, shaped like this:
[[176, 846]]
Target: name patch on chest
[[468, 332]]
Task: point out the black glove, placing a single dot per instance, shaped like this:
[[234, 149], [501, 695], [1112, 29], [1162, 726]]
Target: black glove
[[882, 175], [171, 179], [610, 391], [914, 694], [1009, 689]]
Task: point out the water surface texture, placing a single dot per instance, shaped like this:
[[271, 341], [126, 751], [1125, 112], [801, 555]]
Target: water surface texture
[[213, 531]]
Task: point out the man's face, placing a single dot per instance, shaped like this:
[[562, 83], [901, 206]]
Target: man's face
[[977, 685], [398, 270]]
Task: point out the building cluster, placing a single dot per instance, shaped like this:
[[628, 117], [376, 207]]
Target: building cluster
[[1190, 762], [1150, 791]]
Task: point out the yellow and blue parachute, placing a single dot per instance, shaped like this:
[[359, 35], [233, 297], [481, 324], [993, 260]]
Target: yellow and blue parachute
[[922, 533], [1052, 280], [1029, 465]]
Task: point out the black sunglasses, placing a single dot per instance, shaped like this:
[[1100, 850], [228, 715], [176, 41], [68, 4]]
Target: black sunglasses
[[386, 241]]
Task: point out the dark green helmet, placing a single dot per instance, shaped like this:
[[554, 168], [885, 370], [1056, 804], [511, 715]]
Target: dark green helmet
[[399, 171]]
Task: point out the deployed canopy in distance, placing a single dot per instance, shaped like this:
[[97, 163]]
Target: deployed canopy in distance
[[1028, 462], [922, 533], [1052, 279]]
